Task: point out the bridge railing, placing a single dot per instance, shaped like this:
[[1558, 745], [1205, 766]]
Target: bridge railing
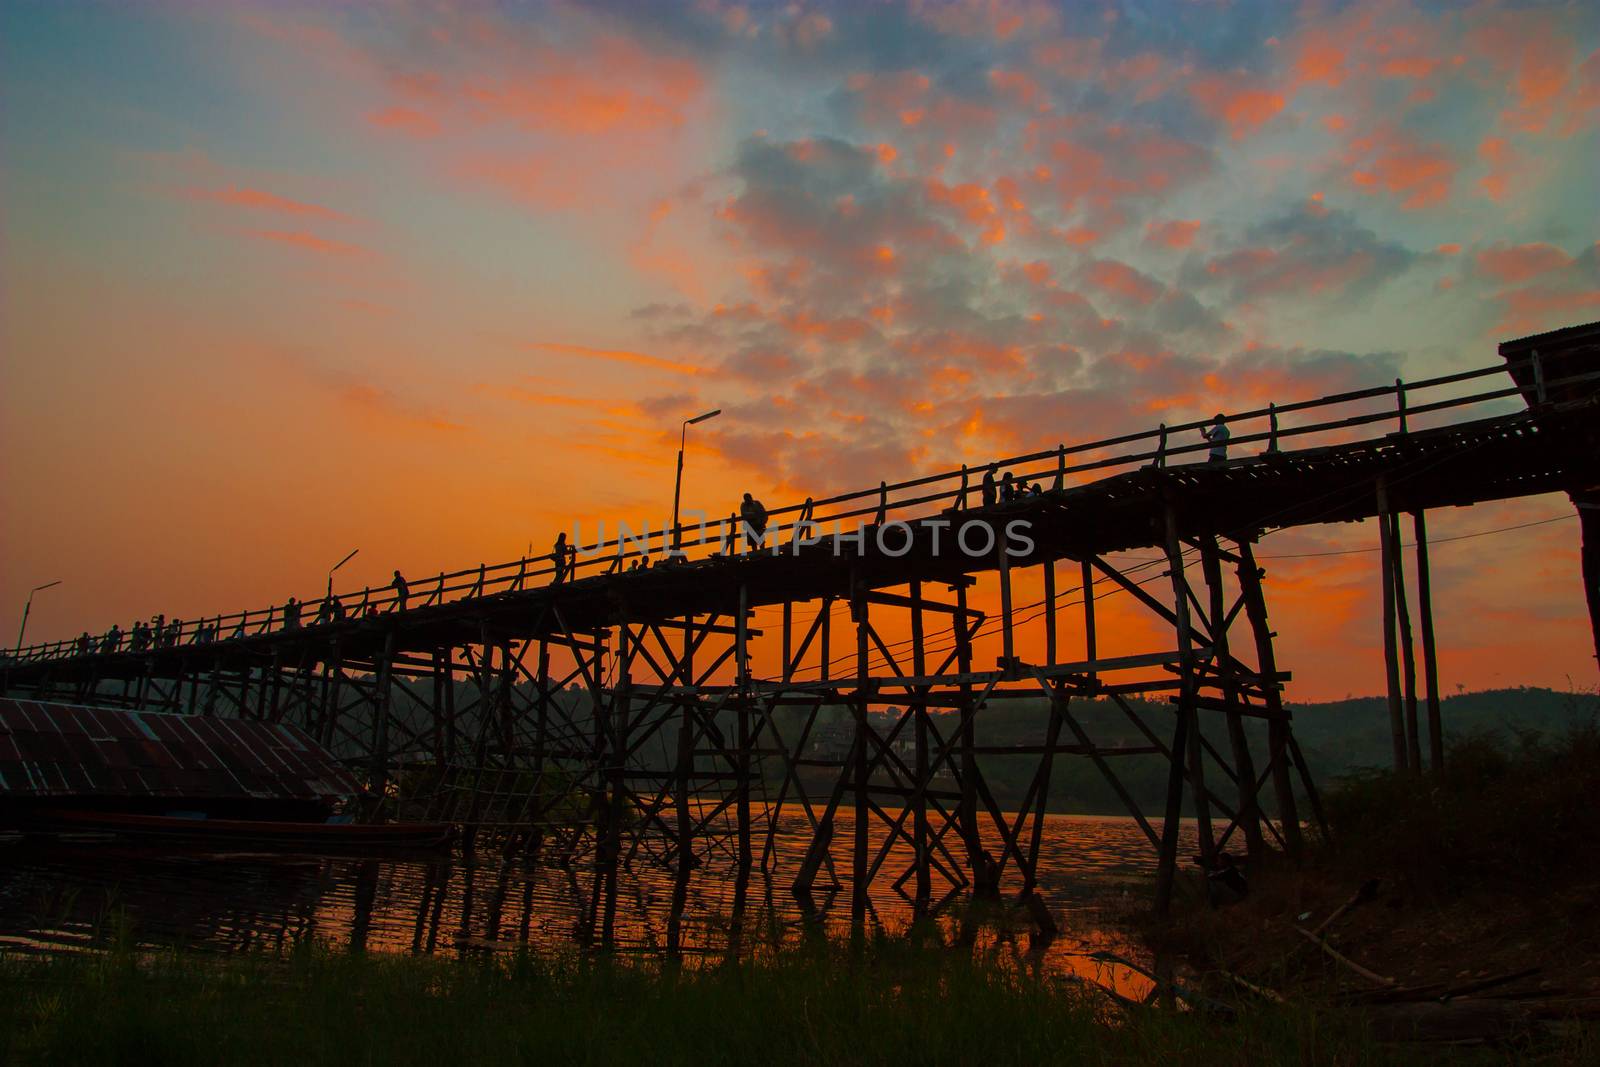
[[1402, 405]]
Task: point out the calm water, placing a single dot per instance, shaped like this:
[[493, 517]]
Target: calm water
[[65, 896]]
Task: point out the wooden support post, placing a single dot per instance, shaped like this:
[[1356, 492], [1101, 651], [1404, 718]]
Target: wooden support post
[[1243, 765], [1391, 660], [382, 677], [450, 739], [968, 824], [859, 753], [1588, 505], [1050, 612], [1007, 635], [1188, 694], [742, 665], [1089, 642], [919, 709], [1408, 657], [683, 770], [1167, 855], [1278, 736], [1430, 659]]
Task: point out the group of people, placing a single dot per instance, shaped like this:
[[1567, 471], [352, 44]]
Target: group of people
[[157, 633], [1006, 489]]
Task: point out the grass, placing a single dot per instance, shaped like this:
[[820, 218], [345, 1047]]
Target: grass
[[885, 1003], [1506, 811]]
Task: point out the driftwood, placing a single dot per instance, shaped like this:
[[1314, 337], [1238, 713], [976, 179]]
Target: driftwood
[[1261, 991], [1337, 956], [1442, 991], [1368, 891]]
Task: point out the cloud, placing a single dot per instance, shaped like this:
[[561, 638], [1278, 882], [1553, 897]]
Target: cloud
[[638, 359], [1311, 253], [1176, 233], [1122, 282], [309, 242], [1390, 160], [259, 200], [1239, 101], [1514, 264]]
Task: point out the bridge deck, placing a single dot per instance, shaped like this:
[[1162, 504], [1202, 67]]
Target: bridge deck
[[1519, 454]]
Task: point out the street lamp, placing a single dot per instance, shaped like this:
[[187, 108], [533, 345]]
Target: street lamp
[[336, 566], [29, 605], [677, 485]]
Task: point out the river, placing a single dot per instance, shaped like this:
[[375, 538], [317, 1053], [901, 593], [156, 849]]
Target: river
[[66, 896]]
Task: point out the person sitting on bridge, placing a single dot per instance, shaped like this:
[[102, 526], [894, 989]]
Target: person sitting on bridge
[[401, 591], [1008, 489], [753, 516], [990, 493], [561, 554], [291, 614], [1218, 436]]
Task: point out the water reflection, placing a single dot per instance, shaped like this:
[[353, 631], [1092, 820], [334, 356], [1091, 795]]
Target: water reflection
[[62, 897]]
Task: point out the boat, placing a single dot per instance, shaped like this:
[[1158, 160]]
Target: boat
[[245, 834]]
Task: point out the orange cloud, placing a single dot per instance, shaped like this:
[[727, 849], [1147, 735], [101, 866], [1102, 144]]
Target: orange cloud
[[256, 199], [618, 355], [1119, 279], [1237, 100], [1495, 152], [1514, 264], [1535, 56], [372, 400], [311, 243], [405, 120], [1391, 160], [1178, 233]]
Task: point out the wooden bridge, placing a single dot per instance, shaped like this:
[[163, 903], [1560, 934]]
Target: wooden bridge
[[618, 715]]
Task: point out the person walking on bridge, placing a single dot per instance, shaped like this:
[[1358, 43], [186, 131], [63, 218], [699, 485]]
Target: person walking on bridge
[[562, 556], [1218, 436], [402, 591], [753, 516]]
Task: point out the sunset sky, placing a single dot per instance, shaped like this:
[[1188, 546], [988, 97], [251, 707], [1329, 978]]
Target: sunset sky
[[433, 280]]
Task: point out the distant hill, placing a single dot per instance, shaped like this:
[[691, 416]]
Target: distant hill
[[1347, 735], [1337, 738]]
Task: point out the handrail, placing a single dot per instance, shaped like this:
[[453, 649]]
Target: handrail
[[486, 580]]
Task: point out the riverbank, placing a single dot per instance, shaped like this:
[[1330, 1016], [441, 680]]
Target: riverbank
[[1459, 906], [881, 1003]]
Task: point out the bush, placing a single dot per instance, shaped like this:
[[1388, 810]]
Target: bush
[[1515, 810]]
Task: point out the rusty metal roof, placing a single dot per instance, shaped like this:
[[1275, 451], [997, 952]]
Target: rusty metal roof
[[61, 750]]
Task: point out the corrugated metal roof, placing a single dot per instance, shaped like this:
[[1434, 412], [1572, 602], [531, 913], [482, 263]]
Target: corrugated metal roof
[[56, 750]]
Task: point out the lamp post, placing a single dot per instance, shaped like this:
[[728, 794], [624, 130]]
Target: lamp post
[[29, 605], [677, 485], [336, 566]]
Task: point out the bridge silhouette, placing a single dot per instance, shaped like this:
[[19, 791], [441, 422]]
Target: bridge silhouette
[[612, 713]]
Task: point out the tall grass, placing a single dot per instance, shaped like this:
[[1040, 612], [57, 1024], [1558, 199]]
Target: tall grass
[[1517, 809], [888, 1003]]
